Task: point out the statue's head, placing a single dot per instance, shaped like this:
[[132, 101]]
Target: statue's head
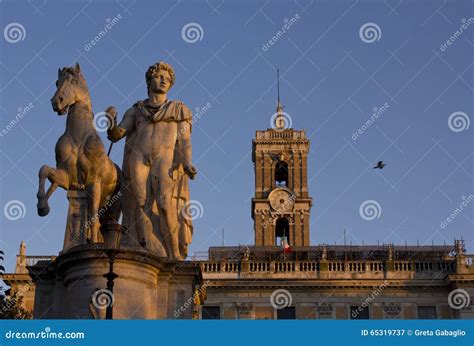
[[160, 77], [71, 88]]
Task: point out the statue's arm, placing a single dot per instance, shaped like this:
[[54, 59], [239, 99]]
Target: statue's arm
[[184, 132], [117, 132], [184, 129]]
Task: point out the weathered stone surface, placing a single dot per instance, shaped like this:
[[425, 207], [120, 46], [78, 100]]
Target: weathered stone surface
[[157, 164], [145, 283], [81, 164]]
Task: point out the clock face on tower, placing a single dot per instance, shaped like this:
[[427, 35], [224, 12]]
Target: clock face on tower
[[282, 200]]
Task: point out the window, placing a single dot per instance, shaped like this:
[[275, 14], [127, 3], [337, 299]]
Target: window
[[427, 312], [211, 313], [287, 313], [359, 313], [281, 174], [282, 229]]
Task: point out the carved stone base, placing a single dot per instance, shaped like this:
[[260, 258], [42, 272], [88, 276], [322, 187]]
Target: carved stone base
[[76, 219], [147, 287]]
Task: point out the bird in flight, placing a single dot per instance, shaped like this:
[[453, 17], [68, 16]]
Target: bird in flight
[[380, 165]]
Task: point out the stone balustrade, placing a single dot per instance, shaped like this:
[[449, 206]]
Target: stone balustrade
[[285, 134], [336, 268]]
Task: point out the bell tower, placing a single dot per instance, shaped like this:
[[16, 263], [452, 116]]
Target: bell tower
[[281, 205]]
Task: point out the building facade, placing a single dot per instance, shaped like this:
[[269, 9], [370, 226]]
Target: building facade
[[323, 282]]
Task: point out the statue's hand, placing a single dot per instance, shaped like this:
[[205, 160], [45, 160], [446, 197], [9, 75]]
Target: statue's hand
[[111, 113], [190, 170]]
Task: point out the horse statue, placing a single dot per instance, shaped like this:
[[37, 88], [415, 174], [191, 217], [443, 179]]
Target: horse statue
[[81, 160]]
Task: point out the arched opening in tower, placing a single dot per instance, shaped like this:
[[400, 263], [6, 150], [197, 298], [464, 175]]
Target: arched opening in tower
[[282, 229], [281, 174]]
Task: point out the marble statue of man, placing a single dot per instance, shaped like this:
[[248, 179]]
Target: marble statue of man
[[156, 167]]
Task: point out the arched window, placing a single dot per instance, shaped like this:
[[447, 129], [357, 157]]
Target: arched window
[[282, 229], [281, 174]]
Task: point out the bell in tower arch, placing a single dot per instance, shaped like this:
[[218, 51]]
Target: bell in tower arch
[[281, 174]]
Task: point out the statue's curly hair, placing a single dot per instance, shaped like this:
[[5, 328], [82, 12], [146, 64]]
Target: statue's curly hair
[[159, 66]]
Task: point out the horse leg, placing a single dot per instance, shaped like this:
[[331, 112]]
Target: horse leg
[[57, 178], [116, 208], [110, 187], [94, 192]]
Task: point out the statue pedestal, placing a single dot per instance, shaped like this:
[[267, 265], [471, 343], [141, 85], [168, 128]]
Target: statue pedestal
[[76, 219], [147, 287]]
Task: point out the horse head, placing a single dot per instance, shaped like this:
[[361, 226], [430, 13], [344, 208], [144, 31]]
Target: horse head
[[71, 89]]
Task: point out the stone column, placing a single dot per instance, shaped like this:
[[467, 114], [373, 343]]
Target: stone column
[[294, 236], [258, 226], [304, 174], [305, 227], [296, 173], [259, 167], [269, 230], [291, 171], [297, 228], [267, 176]]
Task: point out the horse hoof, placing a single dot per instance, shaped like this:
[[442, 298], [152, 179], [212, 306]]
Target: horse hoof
[[43, 211]]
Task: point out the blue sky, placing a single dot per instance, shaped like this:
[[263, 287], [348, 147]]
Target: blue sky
[[332, 77]]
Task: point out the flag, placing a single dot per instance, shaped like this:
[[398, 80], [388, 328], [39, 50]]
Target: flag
[[284, 245]]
